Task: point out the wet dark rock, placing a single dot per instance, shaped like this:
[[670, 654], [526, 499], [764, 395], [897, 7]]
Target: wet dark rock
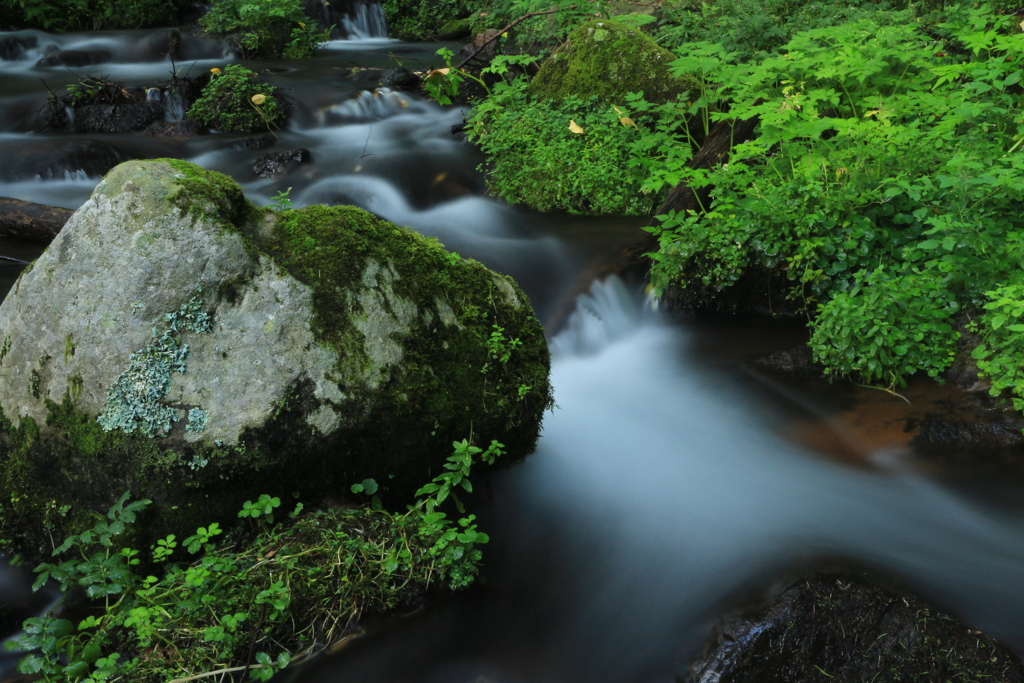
[[796, 361], [832, 627], [963, 371], [76, 58], [456, 29], [99, 105], [13, 47], [759, 290], [483, 48], [255, 142], [117, 118], [176, 129], [276, 164], [400, 78], [60, 159]]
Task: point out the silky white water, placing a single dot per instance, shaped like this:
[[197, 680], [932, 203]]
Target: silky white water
[[655, 497]]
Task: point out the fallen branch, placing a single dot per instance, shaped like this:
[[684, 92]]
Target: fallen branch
[[30, 221], [505, 30]]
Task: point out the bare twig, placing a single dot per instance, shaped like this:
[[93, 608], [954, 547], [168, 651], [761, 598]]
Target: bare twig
[[218, 672], [15, 260], [506, 29]]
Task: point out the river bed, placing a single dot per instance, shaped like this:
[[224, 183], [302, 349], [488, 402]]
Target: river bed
[[665, 488]]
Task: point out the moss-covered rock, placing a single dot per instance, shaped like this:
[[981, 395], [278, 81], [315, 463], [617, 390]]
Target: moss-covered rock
[[178, 342], [608, 59]]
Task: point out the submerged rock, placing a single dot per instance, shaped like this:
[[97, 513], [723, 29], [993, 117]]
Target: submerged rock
[[99, 105], [15, 46], [843, 628], [178, 342], [276, 164], [76, 58], [609, 59]]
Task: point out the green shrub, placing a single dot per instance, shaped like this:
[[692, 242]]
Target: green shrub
[[756, 28], [265, 28], [81, 15], [888, 161], [233, 101], [887, 327], [534, 158], [424, 19], [1000, 356]]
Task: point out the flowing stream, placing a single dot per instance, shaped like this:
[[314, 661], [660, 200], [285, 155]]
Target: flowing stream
[[661, 492]]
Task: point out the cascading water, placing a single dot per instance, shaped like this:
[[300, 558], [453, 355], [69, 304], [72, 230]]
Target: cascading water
[[657, 492], [349, 19], [656, 495]]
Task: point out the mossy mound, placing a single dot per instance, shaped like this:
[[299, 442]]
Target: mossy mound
[[178, 342], [834, 627], [608, 59]]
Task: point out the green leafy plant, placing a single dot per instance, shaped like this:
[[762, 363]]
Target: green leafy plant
[[234, 101], [281, 202], [249, 604], [268, 28], [882, 185], [1002, 331]]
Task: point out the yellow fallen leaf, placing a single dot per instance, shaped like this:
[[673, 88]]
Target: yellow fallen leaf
[[443, 72], [574, 127], [259, 98], [215, 70], [402, 103], [626, 121], [358, 168], [439, 178]]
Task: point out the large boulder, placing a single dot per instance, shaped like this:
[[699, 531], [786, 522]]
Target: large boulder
[[608, 59], [178, 342]]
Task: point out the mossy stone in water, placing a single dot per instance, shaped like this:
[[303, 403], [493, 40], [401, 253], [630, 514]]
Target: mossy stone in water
[[609, 59], [232, 351]]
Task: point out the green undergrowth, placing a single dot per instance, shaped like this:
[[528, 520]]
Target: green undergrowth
[[421, 21], [265, 28], [84, 15], [245, 604], [884, 185], [579, 155], [758, 28]]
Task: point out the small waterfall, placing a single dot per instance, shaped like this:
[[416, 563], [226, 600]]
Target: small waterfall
[[371, 105], [174, 105], [350, 19], [366, 22]]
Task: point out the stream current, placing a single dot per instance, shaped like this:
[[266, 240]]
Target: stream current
[[660, 493]]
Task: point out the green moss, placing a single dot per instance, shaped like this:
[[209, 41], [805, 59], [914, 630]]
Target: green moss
[[441, 340], [212, 194], [608, 59]]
